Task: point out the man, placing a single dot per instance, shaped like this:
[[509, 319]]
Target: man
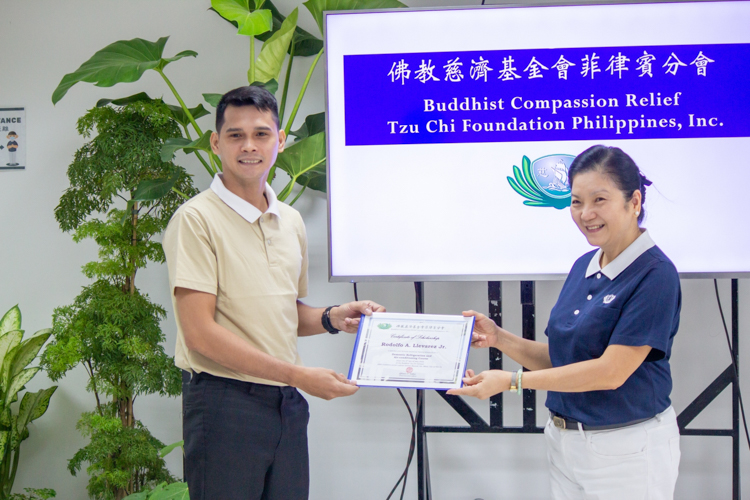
[[237, 262], [12, 147]]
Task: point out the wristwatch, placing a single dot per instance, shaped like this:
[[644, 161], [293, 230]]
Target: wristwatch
[[326, 320]]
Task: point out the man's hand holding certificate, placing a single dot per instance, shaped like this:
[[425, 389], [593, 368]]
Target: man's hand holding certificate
[[418, 351]]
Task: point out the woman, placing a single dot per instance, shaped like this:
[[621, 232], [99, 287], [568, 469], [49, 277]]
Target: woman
[[612, 432]]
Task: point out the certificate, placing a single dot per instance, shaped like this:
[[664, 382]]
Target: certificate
[[414, 351]]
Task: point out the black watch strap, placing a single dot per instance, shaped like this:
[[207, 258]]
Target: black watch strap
[[326, 320]]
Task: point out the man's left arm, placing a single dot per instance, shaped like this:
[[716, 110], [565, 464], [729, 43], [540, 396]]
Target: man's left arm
[[344, 317]]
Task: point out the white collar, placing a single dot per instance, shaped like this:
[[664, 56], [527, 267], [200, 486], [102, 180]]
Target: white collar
[[622, 261], [242, 207]]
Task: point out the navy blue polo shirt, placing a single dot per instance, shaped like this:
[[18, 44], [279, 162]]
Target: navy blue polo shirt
[[635, 301]]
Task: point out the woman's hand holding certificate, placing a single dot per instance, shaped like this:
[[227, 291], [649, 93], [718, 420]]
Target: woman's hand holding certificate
[[422, 351], [483, 385]]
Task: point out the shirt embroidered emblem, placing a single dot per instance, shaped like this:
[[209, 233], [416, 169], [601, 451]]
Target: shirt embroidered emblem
[[609, 298]]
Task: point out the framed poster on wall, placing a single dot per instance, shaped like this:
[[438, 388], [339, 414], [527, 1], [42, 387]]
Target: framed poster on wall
[[12, 138]]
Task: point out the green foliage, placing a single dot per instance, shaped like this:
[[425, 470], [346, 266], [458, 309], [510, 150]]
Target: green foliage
[[170, 448], [250, 22], [179, 115], [171, 146], [125, 152], [116, 336], [316, 7], [16, 354], [112, 329], [314, 124], [304, 44], [274, 50], [253, 18], [212, 99], [122, 61], [11, 320], [163, 491], [121, 457], [304, 160], [34, 494]]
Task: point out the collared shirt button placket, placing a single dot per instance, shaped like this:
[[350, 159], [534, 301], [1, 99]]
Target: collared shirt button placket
[[267, 241], [268, 229]]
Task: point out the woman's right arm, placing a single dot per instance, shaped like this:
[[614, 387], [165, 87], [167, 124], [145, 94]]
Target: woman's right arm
[[528, 353]]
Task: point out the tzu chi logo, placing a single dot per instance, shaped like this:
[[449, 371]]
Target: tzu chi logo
[[384, 326], [544, 181]]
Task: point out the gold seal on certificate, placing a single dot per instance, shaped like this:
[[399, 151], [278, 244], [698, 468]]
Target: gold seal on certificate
[[414, 351]]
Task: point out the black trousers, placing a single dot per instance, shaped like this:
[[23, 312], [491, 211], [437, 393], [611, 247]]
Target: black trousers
[[244, 441]]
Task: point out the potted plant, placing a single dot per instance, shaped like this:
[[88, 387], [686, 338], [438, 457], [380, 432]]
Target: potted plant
[[16, 354], [122, 195]]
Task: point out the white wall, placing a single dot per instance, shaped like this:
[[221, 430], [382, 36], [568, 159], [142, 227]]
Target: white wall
[[358, 445]]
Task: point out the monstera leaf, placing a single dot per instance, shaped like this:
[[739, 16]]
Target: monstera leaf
[[271, 85], [274, 50], [182, 118], [302, 162], [250, 22], [316, 7], [314, 124], [524, 184], [173, 145], [315, 178], [304, 43], [140, 96], [212, 99], [155, 189], [120, 62]]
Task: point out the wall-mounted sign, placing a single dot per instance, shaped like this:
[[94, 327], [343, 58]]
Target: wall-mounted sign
[[12, 138]]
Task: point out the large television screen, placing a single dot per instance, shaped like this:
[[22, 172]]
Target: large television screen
[[450, 133]]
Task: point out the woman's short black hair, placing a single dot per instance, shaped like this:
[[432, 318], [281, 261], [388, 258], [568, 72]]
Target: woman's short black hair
[[615, 164], [249, 95]]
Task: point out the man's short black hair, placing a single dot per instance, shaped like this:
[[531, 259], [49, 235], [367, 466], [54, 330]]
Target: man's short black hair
[[249, 95]]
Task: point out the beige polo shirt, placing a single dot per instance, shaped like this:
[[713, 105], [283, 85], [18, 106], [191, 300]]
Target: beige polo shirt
[[255, 263]]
